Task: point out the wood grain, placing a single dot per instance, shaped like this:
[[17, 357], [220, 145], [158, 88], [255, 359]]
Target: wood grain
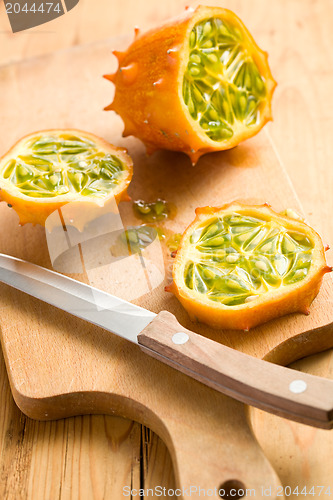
[[301, 131], [82, 457], [86, 23]]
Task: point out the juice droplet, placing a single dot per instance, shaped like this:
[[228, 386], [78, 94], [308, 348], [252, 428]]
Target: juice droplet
[[173, 242], [158, 210], [160, 233], [134, 239]]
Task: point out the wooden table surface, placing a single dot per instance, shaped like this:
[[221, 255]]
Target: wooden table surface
[[93, 457]]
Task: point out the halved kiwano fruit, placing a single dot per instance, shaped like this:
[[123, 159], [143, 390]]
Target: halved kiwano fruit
[[241, 265], [50, 168], [197, 84]]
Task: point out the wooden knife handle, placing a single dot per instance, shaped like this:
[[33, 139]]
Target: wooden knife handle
[[297, 396]]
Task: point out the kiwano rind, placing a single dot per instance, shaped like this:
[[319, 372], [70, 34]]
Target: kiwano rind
[[47, 169], [197, 84], [240, 265]]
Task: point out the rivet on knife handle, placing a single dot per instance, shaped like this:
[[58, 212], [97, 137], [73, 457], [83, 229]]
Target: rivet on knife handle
[[297, 396]]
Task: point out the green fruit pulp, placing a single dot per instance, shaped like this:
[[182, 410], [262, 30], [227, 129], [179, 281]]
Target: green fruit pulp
[[151, 212], [49, 166], [138, 238], [222, 86], [235, 259]]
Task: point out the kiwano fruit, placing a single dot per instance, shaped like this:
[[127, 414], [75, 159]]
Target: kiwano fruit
[[47, 169], [240, 265], [197, 84]]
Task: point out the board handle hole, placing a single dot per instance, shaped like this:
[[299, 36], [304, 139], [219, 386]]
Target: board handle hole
[[232, 489]]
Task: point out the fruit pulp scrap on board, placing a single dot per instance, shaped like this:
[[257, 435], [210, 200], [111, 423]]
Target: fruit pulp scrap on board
[[154, 211], [47, 169], [239, 265], [197, 84]]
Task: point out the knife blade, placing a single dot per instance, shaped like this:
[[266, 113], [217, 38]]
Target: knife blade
[[81, 300], [300, 397]]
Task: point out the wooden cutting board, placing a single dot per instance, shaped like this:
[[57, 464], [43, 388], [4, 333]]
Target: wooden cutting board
[[60, 366]]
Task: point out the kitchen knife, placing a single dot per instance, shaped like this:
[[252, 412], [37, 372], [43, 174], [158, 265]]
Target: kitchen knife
[[282, 391]]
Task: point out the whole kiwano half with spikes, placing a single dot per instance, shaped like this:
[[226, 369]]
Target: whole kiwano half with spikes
[[197, 84]]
